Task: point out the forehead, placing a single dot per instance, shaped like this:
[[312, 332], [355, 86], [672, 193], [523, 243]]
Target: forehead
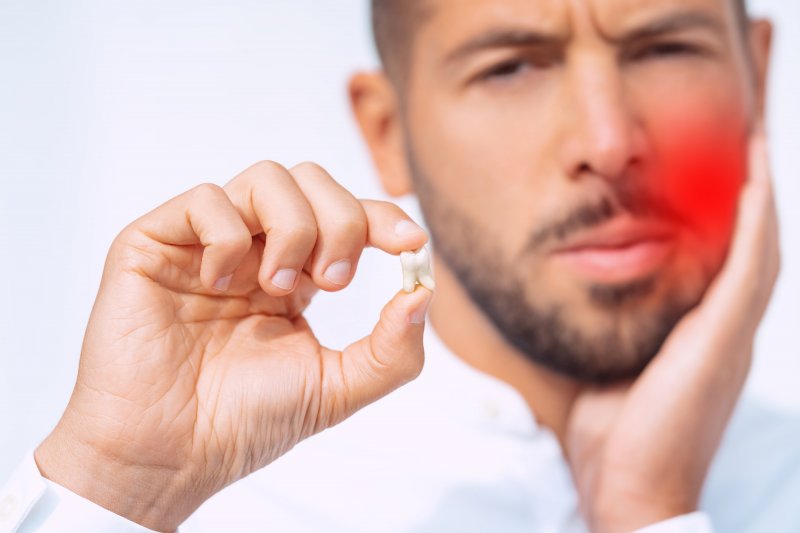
[[449, 20]]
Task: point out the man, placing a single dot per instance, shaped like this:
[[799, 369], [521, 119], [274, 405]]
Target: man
[[594, 176]]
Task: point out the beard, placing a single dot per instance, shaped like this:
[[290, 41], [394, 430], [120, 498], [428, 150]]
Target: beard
[[548, 333]]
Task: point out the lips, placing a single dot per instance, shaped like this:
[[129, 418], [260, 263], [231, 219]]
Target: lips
[[619, 251]]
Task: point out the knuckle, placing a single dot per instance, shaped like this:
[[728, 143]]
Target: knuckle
[[264, 169], [298, 234], [309, 167], [237, 241], [352, 228], [119, 246], [306, 233], [130, 237], [206, 191], [389, 207], [383, 204], [267, 165], [131, 251]]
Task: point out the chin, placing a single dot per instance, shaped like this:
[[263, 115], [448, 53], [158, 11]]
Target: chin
[[613, 331]]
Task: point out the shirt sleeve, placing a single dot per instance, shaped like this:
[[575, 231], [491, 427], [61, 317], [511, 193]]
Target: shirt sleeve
[[689, 523], [31, 503]]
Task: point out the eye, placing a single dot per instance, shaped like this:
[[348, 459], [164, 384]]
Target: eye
[[666, 50], [505, 70]]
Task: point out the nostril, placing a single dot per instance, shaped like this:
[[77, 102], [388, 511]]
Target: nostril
[[604, 148], [609, 162]]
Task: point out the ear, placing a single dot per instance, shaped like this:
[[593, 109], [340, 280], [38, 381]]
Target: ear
[[760, 42], [377, 111]]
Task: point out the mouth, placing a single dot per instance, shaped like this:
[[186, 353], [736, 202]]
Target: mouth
[[620, 251]]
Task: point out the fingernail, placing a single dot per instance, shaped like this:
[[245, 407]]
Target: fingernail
[[339, 272], [284, 279], [406, 227], [223, 284], [417, 316]]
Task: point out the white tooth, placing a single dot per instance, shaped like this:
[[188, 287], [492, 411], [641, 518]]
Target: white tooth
[[417, 269]]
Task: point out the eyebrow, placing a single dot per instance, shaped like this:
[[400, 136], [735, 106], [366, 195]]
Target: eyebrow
[[683, 21], [502, 38], [521, 37]]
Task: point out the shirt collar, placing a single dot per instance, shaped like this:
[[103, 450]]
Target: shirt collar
[[484, 398]]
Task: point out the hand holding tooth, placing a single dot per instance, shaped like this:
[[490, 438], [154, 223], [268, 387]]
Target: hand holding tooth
[[197, 356]]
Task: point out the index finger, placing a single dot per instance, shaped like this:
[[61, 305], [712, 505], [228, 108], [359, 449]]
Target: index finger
[[390, 229], [740, 294]]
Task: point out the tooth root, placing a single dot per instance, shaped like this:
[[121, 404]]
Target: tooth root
[[427, 282], [409, 282], [416, 269]]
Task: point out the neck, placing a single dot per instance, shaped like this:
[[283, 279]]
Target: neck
[[468, 333]]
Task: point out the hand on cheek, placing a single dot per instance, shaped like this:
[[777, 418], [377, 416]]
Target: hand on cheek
[[628, 445]]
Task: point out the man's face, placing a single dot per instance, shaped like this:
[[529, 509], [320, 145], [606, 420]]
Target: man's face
[[578, 163]]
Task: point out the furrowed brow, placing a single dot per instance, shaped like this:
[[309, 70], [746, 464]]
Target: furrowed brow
[[502, 38], [672, 24]]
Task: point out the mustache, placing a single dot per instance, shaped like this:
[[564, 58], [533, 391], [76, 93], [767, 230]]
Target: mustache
[[639, 203]]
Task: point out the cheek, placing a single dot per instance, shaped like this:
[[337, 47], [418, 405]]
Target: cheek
[[702, 175]]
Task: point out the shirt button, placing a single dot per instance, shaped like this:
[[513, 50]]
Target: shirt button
[[8, 505]]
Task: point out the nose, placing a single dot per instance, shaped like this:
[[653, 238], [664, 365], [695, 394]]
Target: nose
[[601, 136]]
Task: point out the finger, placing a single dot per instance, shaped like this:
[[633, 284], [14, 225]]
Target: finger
[[203, 215], [270, 202], [245, 283], [706, 358], [390, 229], [723, 326], [341, 227], [742, 289], [389, 357], [290, 306]]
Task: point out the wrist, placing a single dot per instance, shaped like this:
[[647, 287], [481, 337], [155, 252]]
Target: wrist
[[154, 497], [618, 514], [634, 520]]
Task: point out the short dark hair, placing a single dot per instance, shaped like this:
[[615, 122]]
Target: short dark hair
[[393, 24]]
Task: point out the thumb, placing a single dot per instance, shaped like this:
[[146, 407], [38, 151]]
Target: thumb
[[391, 355]]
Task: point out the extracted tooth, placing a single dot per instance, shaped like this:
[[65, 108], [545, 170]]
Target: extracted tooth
[[417, 269]]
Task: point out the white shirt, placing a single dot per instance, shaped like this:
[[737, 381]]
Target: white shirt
[[455, 450]]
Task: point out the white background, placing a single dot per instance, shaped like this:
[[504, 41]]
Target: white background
[[108, 108]]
